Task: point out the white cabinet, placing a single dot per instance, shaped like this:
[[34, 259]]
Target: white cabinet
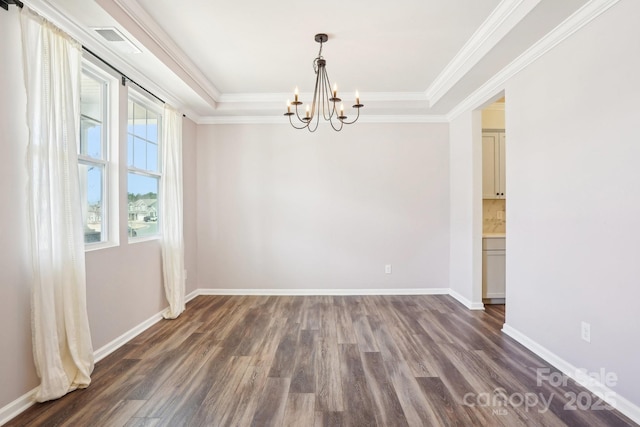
[[493, 165], [493, 268]]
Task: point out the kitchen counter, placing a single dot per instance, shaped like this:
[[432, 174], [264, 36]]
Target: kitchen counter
[[493, 235]]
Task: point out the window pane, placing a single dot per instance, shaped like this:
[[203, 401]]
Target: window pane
[[91, 97], [152, 157], [90, 137], [143, 205], [91, 182], [152, 126], [92, 116], [143, 134], [130, 150], [139, 121], [130, 117], [139, 153], [143, 155]]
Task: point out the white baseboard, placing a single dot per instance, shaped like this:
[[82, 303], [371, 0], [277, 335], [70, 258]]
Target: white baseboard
[[22, 403], [609, 396], [191, 295], [18, 406], [106, 350], [316, 292], [109, 348], [466, 302]]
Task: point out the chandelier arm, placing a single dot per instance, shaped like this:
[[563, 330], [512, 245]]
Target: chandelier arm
[[298, 116], [314, 128], [315, 94], [338, 129], [296, 127], [354, 120], [323, 93], [330, 105]]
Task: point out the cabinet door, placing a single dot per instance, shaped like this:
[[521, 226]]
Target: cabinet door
[[501, 170], [490, 147], [493, 165], [493, 274]]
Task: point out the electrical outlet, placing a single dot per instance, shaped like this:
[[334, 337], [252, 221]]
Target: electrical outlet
[[387, 269], [500, 214], [585, 331]]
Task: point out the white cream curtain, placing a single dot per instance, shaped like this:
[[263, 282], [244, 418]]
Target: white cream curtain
[[171, 226], [62, 348]]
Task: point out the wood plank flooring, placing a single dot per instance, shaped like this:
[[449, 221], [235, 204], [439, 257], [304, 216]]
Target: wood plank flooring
[[322, 361]]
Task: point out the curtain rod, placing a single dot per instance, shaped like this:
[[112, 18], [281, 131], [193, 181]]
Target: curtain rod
[[125, 78], [5, 4]]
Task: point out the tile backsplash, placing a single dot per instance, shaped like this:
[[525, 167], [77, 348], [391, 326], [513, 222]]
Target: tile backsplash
[[493, 216]]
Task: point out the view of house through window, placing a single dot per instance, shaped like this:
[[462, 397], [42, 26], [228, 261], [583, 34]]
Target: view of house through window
[[144, 174], [92, 157]]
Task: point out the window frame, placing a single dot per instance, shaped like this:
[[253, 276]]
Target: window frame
[[108, 162], [150, 105]]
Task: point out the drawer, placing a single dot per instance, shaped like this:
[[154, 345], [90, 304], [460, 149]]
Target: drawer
[[493, 244]]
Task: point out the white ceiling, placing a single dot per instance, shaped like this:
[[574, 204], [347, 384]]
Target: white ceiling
[[240, 59]]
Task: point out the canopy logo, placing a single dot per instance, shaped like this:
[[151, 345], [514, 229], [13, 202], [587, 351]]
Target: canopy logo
[[600, 399]]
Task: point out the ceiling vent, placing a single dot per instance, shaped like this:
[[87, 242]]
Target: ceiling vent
[[117, 40]]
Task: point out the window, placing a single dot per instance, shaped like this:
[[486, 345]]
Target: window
[[143, 159], [93, 157]]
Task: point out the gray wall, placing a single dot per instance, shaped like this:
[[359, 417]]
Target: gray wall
[[286, 209], [17, 373], [465, 156], [124, 283], [190, 202], [573, 211]]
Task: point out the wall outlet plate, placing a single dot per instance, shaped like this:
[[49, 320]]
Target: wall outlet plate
[[585, 331]]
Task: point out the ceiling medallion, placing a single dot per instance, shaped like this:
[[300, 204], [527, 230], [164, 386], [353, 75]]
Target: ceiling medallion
[[324, 100]]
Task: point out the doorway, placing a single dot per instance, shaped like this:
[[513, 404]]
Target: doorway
[[494, 195]]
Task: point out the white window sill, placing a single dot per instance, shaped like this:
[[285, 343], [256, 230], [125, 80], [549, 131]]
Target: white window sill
[[98, 246], [133, 240]]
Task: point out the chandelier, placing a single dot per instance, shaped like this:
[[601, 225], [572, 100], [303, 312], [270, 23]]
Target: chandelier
[[325, 101]]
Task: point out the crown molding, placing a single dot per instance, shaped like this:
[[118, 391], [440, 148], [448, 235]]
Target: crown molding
[[504, 17], [502, 20], [89, 38], [281, 120], [404, 118], [495, 84], [281, 97], [180, 60]]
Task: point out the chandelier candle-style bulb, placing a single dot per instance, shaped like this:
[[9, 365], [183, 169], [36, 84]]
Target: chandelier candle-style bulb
[[341, 117], [335, 98], [325, 99], [295, 94]]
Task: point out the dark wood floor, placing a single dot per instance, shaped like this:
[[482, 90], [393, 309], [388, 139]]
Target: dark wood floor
[[321, 361]]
